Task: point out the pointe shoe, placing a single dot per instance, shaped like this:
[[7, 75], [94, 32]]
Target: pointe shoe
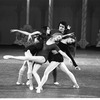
[[31, 88], [6, 56], [56, 83], [27, 83], [38, 87], [38, 90], [76, 86], [17, 83], [77, 68]]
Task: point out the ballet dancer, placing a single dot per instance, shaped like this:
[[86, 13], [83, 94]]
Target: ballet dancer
[[35, 47], [64, 45], [26, 33], [56, 60]]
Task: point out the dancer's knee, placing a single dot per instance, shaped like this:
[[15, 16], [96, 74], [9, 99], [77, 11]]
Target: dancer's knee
[[21, 72], [34, 71], [29, 75], [46, 73]]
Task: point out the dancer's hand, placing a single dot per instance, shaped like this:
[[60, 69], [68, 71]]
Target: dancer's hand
[[6, 57], [13, 30]]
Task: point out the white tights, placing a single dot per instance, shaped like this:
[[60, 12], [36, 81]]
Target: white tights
[[36, 75], [51, 67]]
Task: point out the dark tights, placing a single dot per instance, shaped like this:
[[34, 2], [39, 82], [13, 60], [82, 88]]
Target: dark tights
[[54, 73]]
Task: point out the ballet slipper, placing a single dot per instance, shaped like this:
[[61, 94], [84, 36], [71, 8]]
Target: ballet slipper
[[31, 88], [77, 68], [56, 83], [27, 83], [18, 83], [38, 90], [38, 87], [76, 86]]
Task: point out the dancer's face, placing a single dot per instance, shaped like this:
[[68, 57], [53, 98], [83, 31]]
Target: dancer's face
[[61, 28], [57, 37]]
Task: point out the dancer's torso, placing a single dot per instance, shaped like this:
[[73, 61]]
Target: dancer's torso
[[46, 50], [36, 47]]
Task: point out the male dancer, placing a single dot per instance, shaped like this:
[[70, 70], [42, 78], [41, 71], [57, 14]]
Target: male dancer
[[64, 45]]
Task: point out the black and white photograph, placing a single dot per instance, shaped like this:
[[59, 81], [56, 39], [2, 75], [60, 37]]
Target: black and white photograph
[[49, 49]]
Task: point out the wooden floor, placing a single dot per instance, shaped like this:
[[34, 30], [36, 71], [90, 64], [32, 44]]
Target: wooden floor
[[88, 78]]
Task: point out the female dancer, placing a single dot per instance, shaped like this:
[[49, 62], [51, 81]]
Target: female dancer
[[37, 65], [35, 47], [56, 60]]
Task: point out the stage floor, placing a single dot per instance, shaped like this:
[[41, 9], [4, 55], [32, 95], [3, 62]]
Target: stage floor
[[88, 77]]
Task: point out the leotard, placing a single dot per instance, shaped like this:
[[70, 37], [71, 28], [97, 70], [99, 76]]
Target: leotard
[[46, 50]]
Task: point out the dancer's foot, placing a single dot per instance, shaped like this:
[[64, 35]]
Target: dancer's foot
[[20, 83], [7, 56], [77, 68], [38, 90], [38, 87], [31, 87], [76, 86], [56, 83], [28, 83]]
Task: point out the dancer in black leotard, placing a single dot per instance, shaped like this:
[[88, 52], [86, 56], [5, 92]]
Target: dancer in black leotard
[[56, 60], [35, 44]]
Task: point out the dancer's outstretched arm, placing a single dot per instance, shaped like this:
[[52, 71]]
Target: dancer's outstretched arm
[[69, 34], [36, 32], [64, 55], [25, 33]]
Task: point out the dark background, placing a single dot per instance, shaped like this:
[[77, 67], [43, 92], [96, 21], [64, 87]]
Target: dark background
[[13, 15]]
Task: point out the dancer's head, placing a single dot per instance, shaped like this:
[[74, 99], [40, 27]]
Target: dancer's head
[[57, 37], [62, 26], [27, 28], [46, 29]]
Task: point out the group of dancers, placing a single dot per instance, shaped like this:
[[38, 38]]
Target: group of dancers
[[49, 45]]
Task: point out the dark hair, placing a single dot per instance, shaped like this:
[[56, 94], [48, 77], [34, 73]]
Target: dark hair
[[27, 28], [63, 23], [44, 28]]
